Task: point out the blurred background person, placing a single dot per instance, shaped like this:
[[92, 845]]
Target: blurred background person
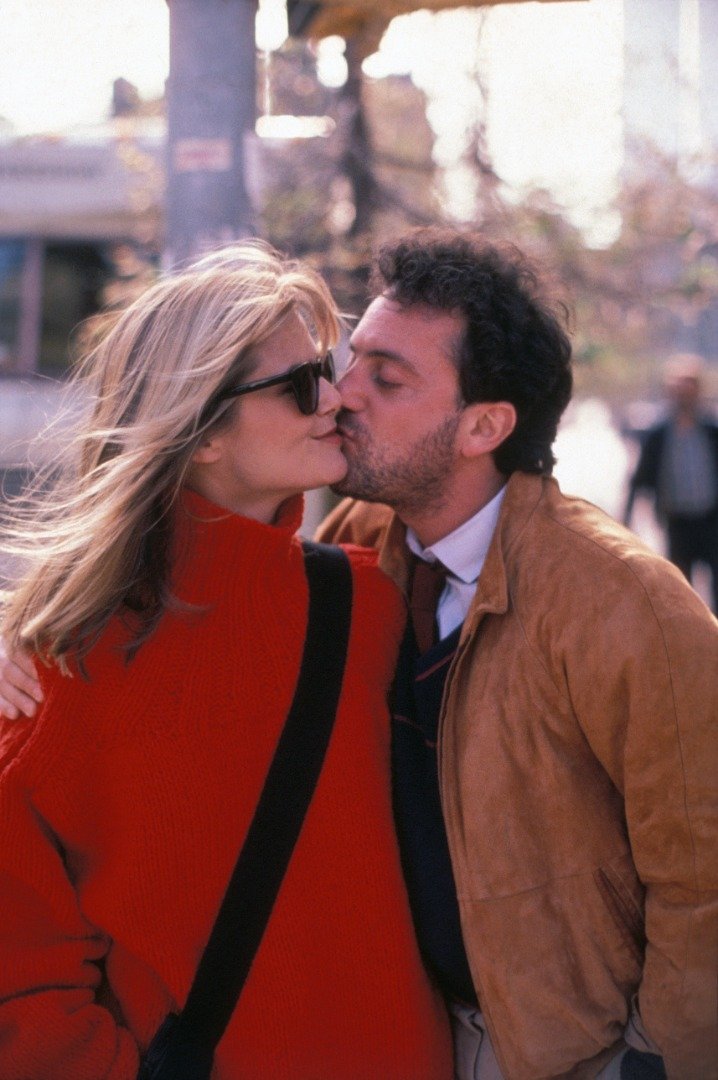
[[678, 466]]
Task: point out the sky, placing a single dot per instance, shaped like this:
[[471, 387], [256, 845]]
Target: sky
[[553, 72]]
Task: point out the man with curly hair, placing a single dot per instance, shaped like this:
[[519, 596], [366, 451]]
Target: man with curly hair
[[555, 744]]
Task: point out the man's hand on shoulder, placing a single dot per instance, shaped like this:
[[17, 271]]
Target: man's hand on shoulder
[[20, 692]]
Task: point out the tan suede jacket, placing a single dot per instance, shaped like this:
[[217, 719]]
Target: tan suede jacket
[[578, 760]]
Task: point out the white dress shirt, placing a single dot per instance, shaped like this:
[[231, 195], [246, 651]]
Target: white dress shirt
[[463, 553]]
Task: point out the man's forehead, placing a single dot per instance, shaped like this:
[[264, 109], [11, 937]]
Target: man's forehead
[[388, 327]]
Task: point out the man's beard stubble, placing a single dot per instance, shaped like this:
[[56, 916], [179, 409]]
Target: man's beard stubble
[[409, 483]]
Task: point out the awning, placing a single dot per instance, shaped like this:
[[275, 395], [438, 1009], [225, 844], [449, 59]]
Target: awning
[[360, 18]]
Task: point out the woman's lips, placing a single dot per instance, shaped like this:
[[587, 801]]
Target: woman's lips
[[332, 435]]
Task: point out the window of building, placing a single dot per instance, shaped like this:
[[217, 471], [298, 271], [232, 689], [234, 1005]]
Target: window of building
[[49, 288], [73, 278], [12, 257]]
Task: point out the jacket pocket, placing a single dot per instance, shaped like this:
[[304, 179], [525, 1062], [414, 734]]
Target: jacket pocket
[[625, 907]]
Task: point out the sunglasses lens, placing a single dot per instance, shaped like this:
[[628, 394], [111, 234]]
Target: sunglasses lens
[[305, 384]]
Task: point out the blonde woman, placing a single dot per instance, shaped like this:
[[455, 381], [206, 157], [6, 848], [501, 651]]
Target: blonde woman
[[165, 596]]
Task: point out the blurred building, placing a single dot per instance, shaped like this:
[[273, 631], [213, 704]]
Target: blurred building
[[79, 217], [79, 232]]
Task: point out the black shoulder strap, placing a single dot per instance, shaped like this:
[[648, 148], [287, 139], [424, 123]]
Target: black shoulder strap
[[185, 1046]]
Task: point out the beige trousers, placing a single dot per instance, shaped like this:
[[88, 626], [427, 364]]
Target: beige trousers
[[474, 1057]]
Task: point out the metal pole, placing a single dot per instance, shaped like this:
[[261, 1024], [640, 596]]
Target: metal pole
[[211, 106]]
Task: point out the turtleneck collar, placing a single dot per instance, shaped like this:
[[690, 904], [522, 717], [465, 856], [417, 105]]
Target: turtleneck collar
[[211, 543], [199, 509]]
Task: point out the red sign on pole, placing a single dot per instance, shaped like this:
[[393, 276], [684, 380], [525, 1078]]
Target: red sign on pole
[[202, 155]]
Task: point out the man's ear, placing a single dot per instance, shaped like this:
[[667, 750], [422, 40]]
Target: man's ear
[[484, 426]]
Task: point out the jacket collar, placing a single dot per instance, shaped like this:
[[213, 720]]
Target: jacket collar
[[394, 555], [523, 494]]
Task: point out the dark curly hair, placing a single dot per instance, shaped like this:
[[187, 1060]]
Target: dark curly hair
[[514, 348]]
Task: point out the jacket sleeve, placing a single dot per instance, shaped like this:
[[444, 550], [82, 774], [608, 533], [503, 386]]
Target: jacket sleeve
[[645, 691], [50, 957]]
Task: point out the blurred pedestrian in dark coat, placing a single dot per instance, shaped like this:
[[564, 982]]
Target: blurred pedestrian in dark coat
[[678, 464]]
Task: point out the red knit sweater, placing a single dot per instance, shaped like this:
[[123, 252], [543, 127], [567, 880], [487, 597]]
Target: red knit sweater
[[122, 810]]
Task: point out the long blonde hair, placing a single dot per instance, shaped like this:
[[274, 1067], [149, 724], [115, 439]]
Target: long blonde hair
[[93, 539]]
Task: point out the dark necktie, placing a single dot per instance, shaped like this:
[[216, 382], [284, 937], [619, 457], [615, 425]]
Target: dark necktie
[[427, 584]]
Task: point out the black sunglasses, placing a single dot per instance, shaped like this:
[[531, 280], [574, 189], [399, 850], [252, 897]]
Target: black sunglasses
[[304, 380]]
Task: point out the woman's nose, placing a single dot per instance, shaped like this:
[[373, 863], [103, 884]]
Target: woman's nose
[[349, 390], [329, 397]]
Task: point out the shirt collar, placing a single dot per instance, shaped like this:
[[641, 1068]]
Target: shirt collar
[[464, 550]]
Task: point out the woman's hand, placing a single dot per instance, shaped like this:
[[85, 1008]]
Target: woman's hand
[[20, 692]]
